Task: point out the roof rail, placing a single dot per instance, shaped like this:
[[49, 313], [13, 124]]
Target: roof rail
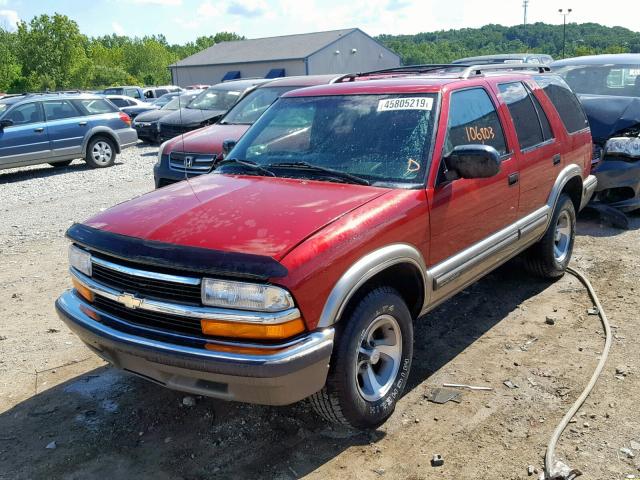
[[465, 70], [475, 70], [408, 69], [60, 92]]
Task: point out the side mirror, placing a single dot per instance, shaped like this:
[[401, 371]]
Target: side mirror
[[227, 146], [473, 161], [5, 123]]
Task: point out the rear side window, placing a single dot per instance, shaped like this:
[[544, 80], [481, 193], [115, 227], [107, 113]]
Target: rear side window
[[25, 114], [132, 92], [473, 119], [58, 110], [547, 133], [94, 106], [529, 128], [120, 102], [566, 103]]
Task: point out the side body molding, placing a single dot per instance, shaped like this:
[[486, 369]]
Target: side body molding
[[366, 268]]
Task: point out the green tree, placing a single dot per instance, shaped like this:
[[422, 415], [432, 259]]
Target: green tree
[[9, 66], [51, 51]]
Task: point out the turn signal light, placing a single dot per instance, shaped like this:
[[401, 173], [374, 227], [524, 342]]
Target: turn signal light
[[82, 290], [254, 331]]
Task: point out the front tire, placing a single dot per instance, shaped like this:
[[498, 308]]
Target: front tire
[[101, 152], [550, 257], [370, 363]]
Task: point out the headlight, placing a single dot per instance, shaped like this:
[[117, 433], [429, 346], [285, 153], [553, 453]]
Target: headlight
[[623, 146], [245, 296], [80, 260]]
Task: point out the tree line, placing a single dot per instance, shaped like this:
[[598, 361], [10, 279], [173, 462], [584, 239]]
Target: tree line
[[50, 52]]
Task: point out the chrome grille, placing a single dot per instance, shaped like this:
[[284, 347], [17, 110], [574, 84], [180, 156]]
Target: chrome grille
[[146, 284], [191, 163]]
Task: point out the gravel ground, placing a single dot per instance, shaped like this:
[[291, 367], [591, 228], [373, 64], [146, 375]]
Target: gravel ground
[[64, 414]]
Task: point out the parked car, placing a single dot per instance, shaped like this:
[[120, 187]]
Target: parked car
[[151, 93], [166, 98], [146, 123], [609, 88], [506, 58], [344, 214], [130, 106], [57, 128], [129, 91], [207, 108], [202, 148], [198, 86]]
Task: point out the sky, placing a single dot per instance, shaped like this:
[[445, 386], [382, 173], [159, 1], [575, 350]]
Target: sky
[[182, 21]]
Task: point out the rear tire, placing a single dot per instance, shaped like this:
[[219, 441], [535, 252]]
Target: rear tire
[[550, 257], [66, 163], [101, 152], [370, 363]]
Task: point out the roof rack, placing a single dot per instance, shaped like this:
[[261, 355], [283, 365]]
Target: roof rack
[[475, 70], [466, 71], [59, 92]]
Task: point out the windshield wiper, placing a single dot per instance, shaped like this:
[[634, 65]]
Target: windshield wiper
[[329, 171], [248, 164]]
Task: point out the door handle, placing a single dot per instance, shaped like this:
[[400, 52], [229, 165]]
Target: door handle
[[82, 124], [556, 159], [513, 179], [38, 130]]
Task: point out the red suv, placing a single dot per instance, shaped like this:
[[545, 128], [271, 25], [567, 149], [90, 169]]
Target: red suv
[[346, 212]]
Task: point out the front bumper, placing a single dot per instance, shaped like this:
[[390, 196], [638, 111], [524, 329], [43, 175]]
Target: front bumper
[[164, 175], [147, 132], [618, 184], [283, 377]]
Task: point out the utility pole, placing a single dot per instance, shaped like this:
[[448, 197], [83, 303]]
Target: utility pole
[[525, 6], [565, 14]]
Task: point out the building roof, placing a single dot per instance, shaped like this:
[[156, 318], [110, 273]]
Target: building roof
[[286, 47]]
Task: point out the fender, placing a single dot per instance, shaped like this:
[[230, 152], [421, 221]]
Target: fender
[[364, 269], [566, 174], [103, 131]]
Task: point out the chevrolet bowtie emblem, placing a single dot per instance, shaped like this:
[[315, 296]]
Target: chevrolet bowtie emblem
[[129, 301]]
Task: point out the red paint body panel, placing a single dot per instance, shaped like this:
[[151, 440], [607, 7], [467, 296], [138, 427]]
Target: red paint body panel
[[400, 216], [257, 215], [206, 140]]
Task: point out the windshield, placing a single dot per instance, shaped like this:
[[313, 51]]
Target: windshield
[[178, 102], [383, 139], [617, 80], [212, 99], [249, 109]]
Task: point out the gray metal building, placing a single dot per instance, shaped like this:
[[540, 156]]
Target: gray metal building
[[336, 51]]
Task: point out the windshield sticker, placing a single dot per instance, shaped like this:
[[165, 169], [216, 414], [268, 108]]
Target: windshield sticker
[[408, 103]]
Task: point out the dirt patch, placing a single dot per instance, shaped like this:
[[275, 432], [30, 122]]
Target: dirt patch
[[52, 389]]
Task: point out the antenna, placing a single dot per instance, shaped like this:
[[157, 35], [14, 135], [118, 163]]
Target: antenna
[[525, 6]]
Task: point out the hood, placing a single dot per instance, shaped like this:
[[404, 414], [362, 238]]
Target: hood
[[207, 139], [190, 116], [243, 214], [138, 109], [609, 114], [153, 115]]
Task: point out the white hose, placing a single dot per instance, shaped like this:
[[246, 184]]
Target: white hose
[[549, 458]]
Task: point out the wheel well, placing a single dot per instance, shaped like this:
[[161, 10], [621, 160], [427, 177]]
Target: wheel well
[[403, 277], [573, 188], [106, 135]]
